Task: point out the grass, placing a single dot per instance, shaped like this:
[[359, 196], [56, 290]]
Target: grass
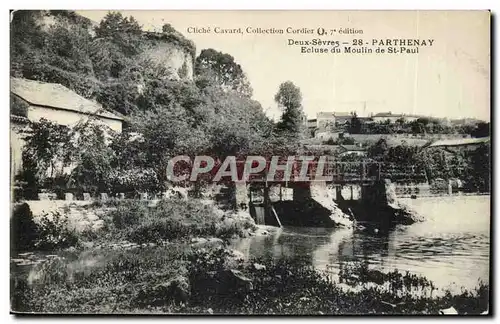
[[178, 277], [175, 220], [182, 279]]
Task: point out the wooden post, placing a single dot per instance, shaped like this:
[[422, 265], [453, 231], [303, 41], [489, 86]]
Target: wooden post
[[266, 200]]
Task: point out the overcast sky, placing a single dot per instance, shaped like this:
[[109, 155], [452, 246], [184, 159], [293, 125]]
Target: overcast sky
[[450, 79]]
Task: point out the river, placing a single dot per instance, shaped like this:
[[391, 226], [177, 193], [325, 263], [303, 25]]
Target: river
[[451, 246]]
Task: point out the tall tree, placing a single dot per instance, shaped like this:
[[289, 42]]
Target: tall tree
[[222, 69], [114, 24], [289, 99], [355, 124]]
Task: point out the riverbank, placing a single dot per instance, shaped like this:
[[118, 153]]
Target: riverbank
[[176, 258]]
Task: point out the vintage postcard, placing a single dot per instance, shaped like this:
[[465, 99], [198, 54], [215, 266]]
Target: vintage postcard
[[250, 162]]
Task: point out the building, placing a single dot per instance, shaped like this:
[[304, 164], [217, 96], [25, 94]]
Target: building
[[59, 104], [55, 103], [325, 121], [342, 118], [384, 116]]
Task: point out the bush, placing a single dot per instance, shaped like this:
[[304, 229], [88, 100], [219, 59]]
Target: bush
[[54, 232], [177, 219], [128, 214], [24, 230], [49, 233]]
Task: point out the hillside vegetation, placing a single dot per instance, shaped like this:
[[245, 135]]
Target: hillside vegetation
[[110, 62]]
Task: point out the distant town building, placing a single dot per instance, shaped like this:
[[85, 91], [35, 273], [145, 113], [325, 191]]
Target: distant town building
[[326, 123], [384, 116], [342, 118]]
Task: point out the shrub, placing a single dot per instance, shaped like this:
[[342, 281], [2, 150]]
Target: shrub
[[54, 232], [50, 232], [24, 230], [128, 214], [180, 219]]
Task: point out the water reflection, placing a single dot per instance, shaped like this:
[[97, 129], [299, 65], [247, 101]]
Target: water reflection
[[451, 247]]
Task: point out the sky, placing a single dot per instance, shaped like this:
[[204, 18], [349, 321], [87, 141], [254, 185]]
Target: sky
[[449, 79]]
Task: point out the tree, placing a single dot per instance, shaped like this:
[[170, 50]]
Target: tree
[[47, 145], [482, 130], [355, 124], [167, 28], [18, 107], [221, 69], [379, 150], [115, 25], [289, 99], [93, 159]]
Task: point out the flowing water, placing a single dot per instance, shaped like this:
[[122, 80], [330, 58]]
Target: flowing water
[[451, 247]]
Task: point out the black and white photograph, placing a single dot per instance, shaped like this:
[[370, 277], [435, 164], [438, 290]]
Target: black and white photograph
[[272, 162]]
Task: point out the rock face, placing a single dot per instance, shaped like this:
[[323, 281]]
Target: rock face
[[172, 56]]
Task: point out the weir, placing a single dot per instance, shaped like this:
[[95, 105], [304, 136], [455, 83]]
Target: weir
[[358, 190], [311, 203]]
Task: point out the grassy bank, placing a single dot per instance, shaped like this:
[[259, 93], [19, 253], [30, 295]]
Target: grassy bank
[[180, 278], [128, 220], [165, 266]]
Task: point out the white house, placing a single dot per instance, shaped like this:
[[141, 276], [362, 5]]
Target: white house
[[55, 103], [59, 104]]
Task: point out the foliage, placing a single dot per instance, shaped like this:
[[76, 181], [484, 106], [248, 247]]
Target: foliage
[[355, 124], [180, 219], [472, 167], [421, 126], [128, 281], [133, 181], [221, 69], [51, 147], [47, 145], [481, 130], [50, 232], [116, 26], [289, 98], [53, 54], [92, 159], [23, 229], [167, 28], [54, 232], [128, 214], [18, 106], [340, 141]]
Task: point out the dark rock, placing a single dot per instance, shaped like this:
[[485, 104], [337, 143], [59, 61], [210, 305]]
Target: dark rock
[[176, 290], [233, 281]]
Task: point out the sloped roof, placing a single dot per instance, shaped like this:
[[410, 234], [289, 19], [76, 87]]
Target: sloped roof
[[342, 114], [324, 114], [460, 142], [57, 96], [387, 114]]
